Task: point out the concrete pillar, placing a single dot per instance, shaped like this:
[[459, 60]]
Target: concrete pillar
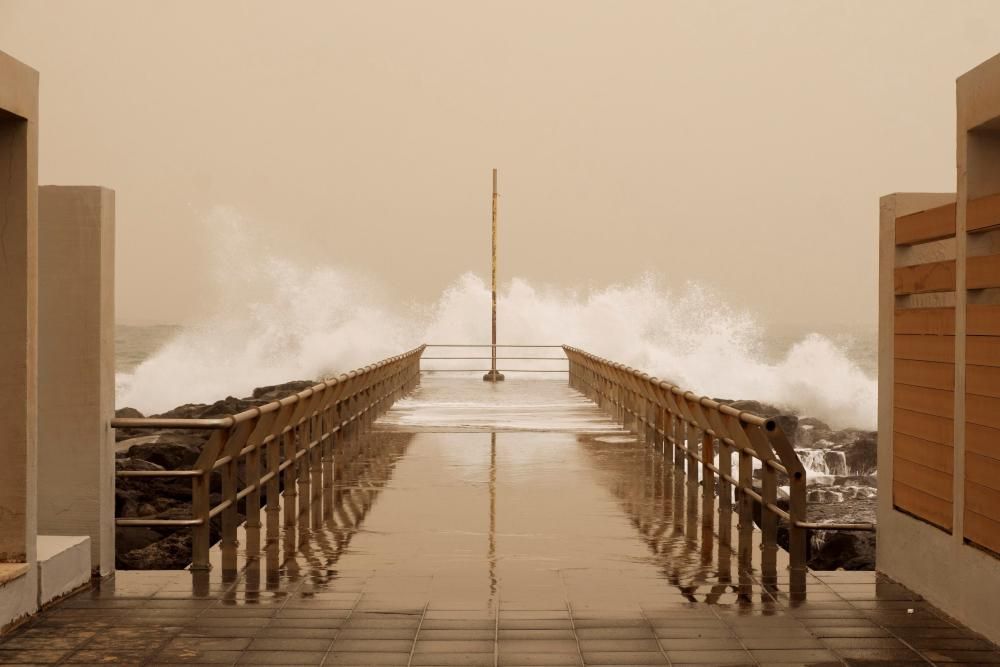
[[76, 367], [18, 313]]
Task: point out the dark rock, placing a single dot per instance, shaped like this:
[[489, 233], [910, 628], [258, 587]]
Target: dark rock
[[278, 391], [135, 464], [128, 413], [832, 550], [171, 553], [130, 538], [169, 454], [861, 451]]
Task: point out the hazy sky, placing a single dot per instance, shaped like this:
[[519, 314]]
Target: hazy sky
[[740, 144]]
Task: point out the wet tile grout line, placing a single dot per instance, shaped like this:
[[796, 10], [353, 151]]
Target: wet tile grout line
[[340, 630], [659, 643], [572, 625], [416, 635]]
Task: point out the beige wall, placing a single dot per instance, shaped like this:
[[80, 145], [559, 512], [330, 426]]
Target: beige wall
[[942, 563], [18, 306], [76, 382], [18, 312]]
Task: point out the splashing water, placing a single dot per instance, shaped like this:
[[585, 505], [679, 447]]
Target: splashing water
[[312, 322]]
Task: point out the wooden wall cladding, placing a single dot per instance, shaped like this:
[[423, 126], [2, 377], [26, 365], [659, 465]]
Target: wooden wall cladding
[[924, 378]]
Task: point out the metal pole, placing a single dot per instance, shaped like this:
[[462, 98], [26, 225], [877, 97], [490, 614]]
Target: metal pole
[[493, 375]]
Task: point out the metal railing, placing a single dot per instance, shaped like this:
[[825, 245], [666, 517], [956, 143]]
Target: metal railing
[[285, 450], [489, 348], [694, 431]]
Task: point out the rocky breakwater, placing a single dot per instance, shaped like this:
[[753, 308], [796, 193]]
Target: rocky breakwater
[[841, 471], [165, 547]]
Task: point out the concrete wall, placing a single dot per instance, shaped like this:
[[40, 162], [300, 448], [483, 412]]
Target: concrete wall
[[954, 564], [76, 367], [18, 306]]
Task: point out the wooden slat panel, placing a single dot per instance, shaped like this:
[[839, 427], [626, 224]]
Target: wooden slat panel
[[982, 350], [931, 454], [982, 271], [925, 427], [983, 380], [925, 348], [938, 484], [982, 440], [940, 402], [922, 278], [982, 319], [982, 530], [934, 223], [982, 410], [924, 373], [923, 505], [982, 213], [985, 472], [939, 321], [982, 500]]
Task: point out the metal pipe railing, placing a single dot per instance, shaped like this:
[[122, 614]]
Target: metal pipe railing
[[287, 443], [491, 359], [695, 431]]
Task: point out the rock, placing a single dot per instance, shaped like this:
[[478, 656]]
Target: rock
[[861, 451], [130, 538], [832, 550], [171, 553], [786, 422], [169, 454], [135, 464], [278, 391], [128, 413]]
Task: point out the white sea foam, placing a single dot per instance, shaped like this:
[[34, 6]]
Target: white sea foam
[[278, 321]]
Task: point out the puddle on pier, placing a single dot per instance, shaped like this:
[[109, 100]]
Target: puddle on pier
[[460, 500]]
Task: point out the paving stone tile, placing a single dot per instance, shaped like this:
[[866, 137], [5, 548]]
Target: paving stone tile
[[624, 658], [347, 658], [963, 657], [710, 657], [705, 644], [198, 656], [838, 643], [373, 645], [288, 644], [693, 633], [793, 655], [381, 633], [534, 634], [538, 646], [281, 658], [209, 643], [602, 645], [635, 632], [879, 655], [459, 624], [28, 656], [453, 659], [538, 659], [781, 643], [453, 646], [535, 624], [106, 657]]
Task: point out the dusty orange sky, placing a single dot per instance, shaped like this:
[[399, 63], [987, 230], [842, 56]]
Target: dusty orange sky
[[740, 144]]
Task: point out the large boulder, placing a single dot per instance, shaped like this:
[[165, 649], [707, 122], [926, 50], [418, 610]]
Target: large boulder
[[278, 391], [171, 553], [170, 452]]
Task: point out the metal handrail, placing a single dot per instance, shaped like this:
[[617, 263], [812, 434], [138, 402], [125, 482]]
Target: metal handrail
[[489, 346], [287, 442], [695, 429]]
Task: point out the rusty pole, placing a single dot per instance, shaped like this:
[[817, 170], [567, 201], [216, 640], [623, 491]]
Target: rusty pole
[[493, 375]]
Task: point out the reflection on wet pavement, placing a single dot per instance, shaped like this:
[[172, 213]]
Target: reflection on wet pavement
[[461, 532]]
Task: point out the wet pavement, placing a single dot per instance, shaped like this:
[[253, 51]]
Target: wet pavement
[[496, 525]]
